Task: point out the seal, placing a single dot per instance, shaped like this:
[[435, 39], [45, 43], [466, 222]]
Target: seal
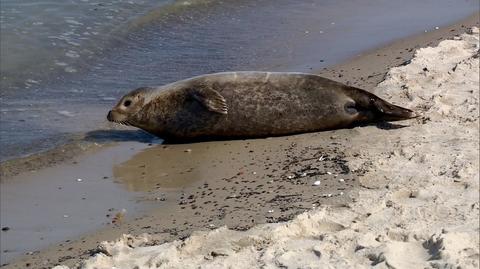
[[250, 104]]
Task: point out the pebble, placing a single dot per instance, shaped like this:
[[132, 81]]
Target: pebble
[[79, 180], [316, 183], [188, 150], [119, 216], [329, 173], [341, 180], [270, 211]]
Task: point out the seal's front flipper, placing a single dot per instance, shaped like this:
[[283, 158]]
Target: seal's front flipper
[[211, 99]]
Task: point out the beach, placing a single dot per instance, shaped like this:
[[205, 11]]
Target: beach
[[417, 205], [399, 195]]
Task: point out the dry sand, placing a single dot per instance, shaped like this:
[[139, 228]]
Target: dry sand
[[390, 179], [419, 207]]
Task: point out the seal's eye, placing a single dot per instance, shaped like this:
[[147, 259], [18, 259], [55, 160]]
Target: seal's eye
[[127, 103]]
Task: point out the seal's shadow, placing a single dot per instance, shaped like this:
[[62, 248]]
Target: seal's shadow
[[384, 125], [120, 136], [144, 137]]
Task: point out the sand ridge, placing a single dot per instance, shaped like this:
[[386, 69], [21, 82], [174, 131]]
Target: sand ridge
[[418, 206]]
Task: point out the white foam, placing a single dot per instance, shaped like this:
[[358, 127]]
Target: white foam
[[72, 54], [65, 113]]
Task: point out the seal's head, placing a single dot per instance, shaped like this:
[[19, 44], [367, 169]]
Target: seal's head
[[127, 109]]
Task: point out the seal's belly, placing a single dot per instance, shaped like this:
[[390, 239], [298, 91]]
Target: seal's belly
[[284, 112]]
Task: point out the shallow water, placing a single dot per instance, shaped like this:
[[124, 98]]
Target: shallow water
[[54, 205], [40, 37], [65, 64]]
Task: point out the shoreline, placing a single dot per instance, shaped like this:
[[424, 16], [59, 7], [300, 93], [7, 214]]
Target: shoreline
[[349, 72], [365, 71]]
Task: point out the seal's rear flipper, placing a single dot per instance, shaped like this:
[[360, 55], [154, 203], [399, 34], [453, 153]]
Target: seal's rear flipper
[[390, 112], [373, 108]]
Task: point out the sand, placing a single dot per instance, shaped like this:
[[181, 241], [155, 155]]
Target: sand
[[391, 201], [419, 202]]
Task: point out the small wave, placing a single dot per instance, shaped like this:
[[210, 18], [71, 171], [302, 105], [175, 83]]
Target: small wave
[[70, 69], [72, 54], [34, 40], [74, 22], [66, 113], [166, 10]]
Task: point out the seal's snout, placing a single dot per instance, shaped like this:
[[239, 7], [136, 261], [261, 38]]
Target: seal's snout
[[109, 116], [117, 116]]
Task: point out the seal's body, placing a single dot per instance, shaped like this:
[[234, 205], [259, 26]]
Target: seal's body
[[250, 104]]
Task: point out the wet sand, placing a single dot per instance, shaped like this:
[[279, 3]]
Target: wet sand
[[243, 183]]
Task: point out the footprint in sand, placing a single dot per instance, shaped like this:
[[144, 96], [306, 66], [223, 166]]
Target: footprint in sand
[[415, 254]]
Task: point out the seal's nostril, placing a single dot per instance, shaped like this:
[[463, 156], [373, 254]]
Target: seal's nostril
[[109, 115]]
